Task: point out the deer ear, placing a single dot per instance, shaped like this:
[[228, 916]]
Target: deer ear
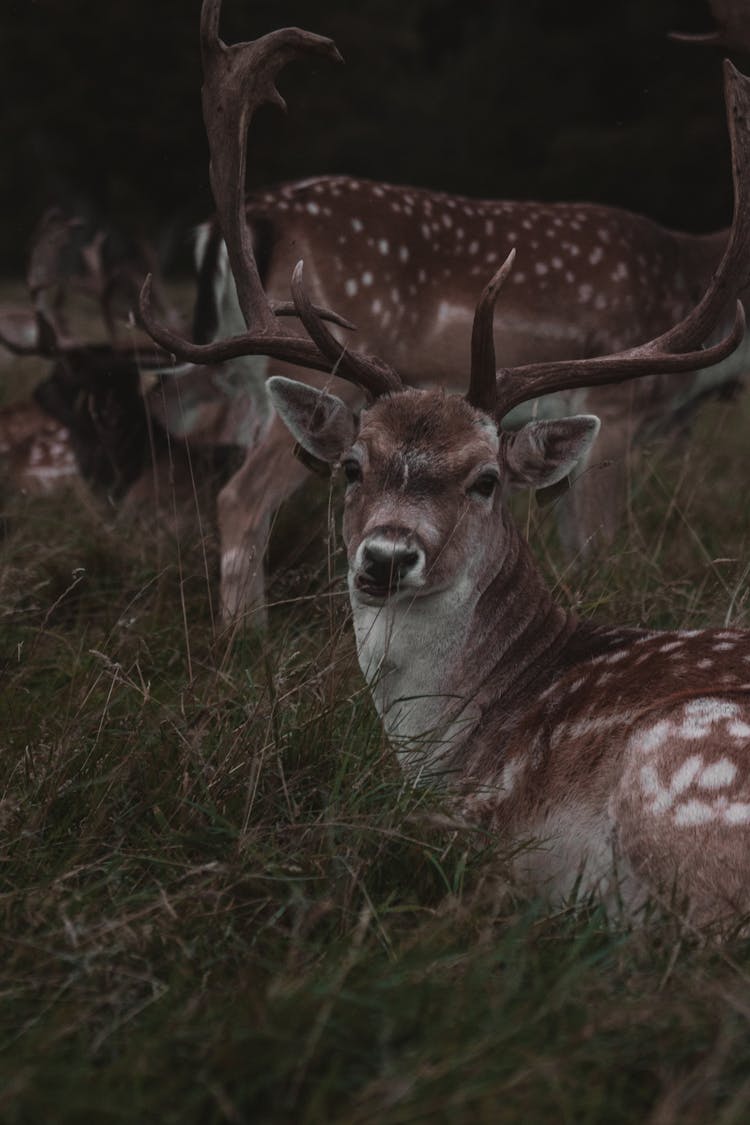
[[543, 453], [321, 423]]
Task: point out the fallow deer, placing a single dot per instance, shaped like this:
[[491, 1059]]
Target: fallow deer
[[626, 751], [88, 419], [405, 265]]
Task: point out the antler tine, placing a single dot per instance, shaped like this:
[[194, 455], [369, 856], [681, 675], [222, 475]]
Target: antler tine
[[237, 80], [699, 38], [373, 375], [733, 272], [678, 349], [482, 391], [292, 349]]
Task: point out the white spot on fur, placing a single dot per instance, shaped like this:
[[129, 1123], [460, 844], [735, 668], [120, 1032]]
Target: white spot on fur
[[694, 812], [509, 776], [737, 813], [653, 738], [684, 777], [383, 246], [711, 710], [718, 775], [313, 207], [350, 287], [357, 225], [367, 278]]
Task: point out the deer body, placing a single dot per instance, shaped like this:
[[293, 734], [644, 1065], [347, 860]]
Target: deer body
[[624, 753], [405, 265]]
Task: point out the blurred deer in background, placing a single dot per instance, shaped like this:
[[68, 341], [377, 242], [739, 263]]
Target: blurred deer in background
[[90, 419]]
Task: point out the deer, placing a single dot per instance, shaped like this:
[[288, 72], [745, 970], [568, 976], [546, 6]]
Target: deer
[[404, 264], [92, 421], [624, 751]]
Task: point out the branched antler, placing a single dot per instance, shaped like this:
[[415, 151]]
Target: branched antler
[[680, 348], [237, 80]]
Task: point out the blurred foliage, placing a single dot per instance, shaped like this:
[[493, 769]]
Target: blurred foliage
[[100, 106]]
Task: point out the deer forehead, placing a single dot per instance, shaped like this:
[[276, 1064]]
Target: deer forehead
[[427, 432]]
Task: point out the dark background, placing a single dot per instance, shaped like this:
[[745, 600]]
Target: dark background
[[100, 107]]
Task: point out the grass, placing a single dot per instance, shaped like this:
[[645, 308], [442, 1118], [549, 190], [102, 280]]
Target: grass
[[220, 902]]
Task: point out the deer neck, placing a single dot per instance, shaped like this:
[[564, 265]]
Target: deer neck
[[437, 665]]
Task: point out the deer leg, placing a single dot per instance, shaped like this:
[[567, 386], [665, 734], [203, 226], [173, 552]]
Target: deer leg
[[269, 475]]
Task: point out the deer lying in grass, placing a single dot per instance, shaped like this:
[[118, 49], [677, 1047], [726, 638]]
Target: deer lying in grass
[[625, 751]]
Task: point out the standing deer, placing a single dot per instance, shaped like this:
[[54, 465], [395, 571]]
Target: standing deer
[[405, 266], [625, 750]]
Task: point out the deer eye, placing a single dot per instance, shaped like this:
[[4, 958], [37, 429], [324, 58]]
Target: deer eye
[[484, 485], [352, 471]]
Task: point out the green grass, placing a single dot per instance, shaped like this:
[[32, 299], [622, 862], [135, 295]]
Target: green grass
[[221, 903]]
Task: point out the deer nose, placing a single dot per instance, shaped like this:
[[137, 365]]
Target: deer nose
[[386, 563]]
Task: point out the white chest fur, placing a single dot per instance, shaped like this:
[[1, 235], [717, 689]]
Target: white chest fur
[[411, 651]]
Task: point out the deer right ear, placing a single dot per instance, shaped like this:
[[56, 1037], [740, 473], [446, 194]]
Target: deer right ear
[[322, 424]]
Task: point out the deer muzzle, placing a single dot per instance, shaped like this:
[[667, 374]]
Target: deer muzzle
[[388, 561]]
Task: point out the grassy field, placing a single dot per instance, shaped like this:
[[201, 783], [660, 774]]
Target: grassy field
[[220, 902]]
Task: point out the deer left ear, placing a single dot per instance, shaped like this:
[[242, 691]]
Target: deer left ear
[[543, 453], [322, 424]]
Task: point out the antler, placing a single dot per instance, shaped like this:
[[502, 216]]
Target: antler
[[237, 80], [679, 349]]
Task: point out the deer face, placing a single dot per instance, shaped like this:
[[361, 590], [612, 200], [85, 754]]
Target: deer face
[[426, 478], [423, 483]]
